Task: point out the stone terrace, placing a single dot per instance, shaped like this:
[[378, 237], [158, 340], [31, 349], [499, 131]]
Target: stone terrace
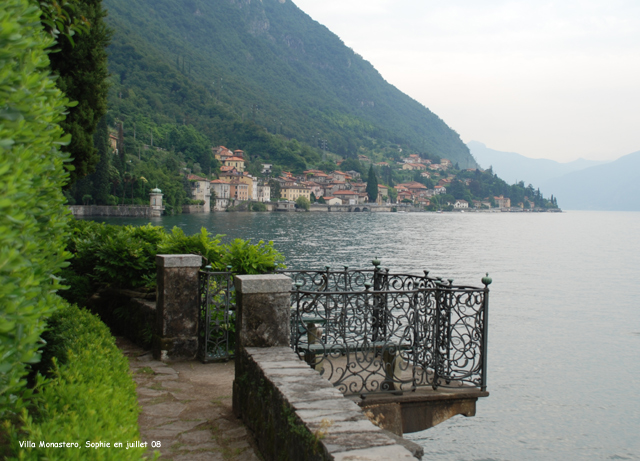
[[187, 407]]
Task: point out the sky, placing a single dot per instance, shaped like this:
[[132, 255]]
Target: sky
[[557, 80]]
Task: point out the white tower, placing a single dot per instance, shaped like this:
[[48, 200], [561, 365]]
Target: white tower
[[155, 200]]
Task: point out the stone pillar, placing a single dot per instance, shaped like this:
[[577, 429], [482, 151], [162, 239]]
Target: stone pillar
[[178, 307], [263, 310], [263, 304]]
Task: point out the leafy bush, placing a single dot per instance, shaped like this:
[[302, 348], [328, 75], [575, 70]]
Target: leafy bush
[[303, 203], [124, 256], [258, 206], [32, 212], [90, 396], [245, 258], [118, 256], [202, 244]]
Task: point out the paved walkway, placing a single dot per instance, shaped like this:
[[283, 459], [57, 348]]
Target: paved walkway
[[186, 406]]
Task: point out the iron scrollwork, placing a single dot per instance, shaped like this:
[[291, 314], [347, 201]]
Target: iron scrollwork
[[216, 328], [369, 331]]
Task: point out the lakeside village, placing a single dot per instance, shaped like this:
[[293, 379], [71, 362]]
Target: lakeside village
[[236, 189]]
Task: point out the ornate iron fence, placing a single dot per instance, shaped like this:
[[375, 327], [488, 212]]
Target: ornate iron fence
[[216, 335], [370, 331]]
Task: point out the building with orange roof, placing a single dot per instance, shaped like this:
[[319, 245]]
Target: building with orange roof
[[236, 162]]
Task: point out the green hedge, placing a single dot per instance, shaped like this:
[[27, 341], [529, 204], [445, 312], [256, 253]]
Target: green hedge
[[33, 217], [90, 396], [124, 256]]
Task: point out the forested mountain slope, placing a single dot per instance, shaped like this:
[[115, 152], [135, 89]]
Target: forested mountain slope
[[231, 67]]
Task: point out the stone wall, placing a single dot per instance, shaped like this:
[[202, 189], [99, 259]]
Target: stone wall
[[191, 209], [296, 414], [103, 210]]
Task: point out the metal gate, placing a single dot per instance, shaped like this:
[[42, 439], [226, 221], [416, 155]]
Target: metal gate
[[217, 333]]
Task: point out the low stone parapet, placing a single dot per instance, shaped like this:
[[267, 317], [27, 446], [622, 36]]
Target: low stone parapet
[[298, 415]]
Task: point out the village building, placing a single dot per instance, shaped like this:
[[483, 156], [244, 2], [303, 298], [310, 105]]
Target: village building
[[348, 197], [383, 195], [359, 186], [252, 184], [264, 193], [221, 153], [235, 162], [314, 188], [413, 166], [404, 195], [221, 191], [266, 168], [330, 200], [440, 190], [502, 202], [200, 190], [459, 204], [239, 190], [423, 201], [229, 170], [294, 191]]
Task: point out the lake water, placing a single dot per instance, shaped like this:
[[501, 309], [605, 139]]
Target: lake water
[[564, 335]]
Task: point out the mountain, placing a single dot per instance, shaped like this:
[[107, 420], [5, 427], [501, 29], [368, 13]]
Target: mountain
[[613, 186], [229, 66], [514, 167]]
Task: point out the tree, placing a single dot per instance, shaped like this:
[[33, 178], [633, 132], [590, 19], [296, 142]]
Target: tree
[[274, 187], [393, 194], [303, 202], [372, 185], [81, 66]]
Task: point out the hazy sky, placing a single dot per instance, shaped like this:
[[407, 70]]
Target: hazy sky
[[557, 80]]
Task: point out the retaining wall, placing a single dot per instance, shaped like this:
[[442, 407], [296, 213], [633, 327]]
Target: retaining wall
[[104, 210]]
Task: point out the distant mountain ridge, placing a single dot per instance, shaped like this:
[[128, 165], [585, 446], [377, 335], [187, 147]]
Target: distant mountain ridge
[[513, 167], [268, 62], [613, 186]]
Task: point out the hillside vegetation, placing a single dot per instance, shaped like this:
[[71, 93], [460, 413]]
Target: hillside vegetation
[[259, 76]]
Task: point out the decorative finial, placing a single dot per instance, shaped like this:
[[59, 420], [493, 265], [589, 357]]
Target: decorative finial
[[486, 280], [376, 262], [367, 285]]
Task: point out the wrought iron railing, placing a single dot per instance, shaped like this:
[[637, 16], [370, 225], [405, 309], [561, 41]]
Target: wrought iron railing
[[216, 328], [370, 331]]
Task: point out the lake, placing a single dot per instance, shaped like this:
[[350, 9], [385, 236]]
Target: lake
[[564, 334]]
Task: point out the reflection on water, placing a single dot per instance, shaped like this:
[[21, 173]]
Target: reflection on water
[[564, 342]]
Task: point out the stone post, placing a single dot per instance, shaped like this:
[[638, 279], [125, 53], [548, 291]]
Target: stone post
[[263, 309], [263, 304], [178, 307]]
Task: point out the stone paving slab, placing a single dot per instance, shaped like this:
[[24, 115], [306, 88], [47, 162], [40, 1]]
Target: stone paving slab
[[186, 407]]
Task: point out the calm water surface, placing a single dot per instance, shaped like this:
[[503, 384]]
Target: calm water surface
[[564, 336]]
